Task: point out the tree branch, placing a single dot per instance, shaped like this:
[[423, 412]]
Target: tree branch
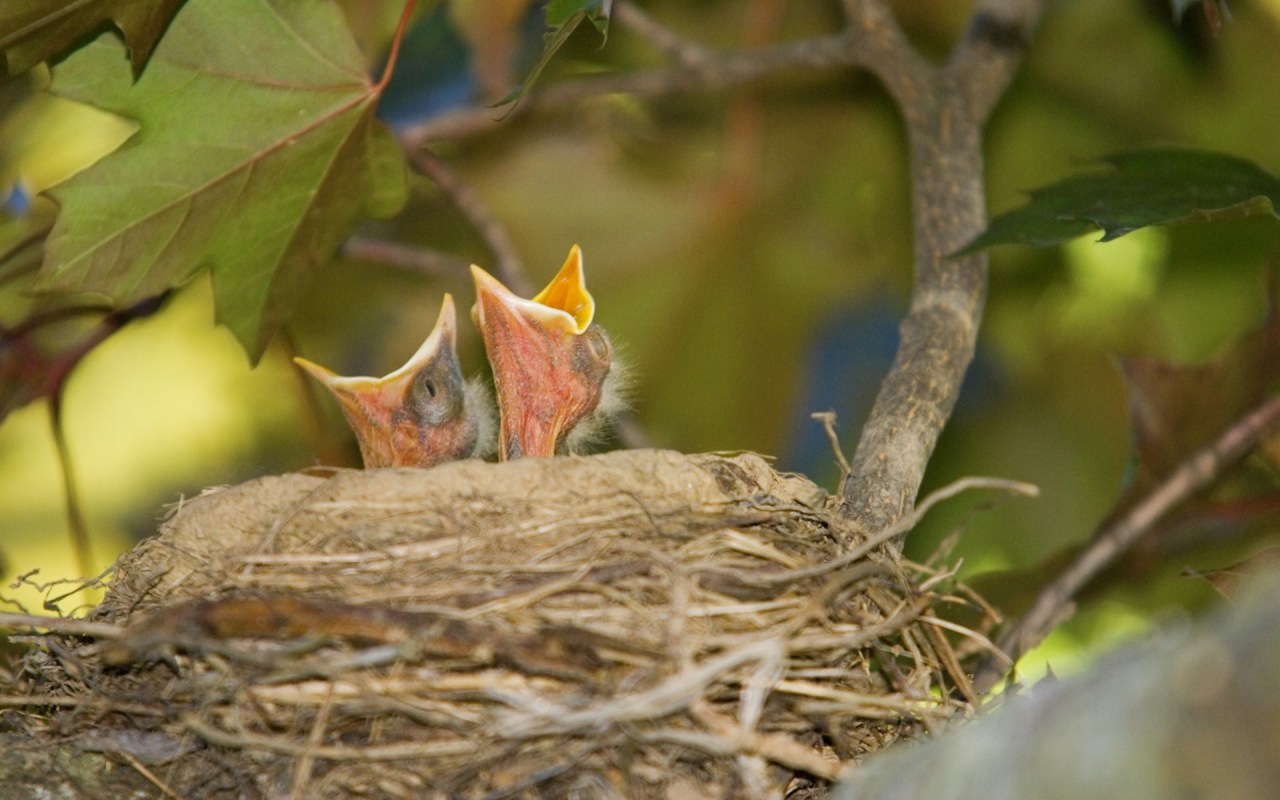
[[945, 110], [823, 53], [423, 261], [1202, 469], [672, 44], [508, 266]]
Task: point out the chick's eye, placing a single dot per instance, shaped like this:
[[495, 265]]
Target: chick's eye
[[430, 388], [598, 344]]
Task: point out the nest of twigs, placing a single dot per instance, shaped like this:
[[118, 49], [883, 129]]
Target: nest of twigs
[[635, 624]]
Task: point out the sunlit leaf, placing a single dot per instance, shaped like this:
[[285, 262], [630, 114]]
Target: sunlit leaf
[[48, 139], [258, 149], [32, 31], [1154, 186]]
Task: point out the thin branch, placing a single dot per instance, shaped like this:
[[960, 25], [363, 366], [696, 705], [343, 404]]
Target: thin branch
[[672, 44], [823, 53], [508, 266], [828, 420], [1202, 469], [421, 260], [896, 528], [151, 777], [71, 627], [78, 529]]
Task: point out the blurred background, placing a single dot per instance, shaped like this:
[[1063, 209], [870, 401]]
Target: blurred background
[[750, 254]]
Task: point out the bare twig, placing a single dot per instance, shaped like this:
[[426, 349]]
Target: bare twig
[[508, 266], [76, 525], [732, 69], [1054, 602], [778, 748], [276, 744], [672, 44], [72, 627], [898, 527], [431, 263], [306, 762], [828, 420], [151, 777]]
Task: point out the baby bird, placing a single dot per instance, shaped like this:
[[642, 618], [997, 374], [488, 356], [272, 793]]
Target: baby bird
[[424, 413], [553, 371]]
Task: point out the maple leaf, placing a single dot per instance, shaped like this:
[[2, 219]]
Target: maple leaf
[[257, 151], [38, 30]]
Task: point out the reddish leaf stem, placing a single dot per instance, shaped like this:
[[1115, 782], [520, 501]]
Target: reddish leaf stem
[[401, 27]]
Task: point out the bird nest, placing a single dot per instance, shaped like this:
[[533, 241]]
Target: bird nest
[[635, 624]]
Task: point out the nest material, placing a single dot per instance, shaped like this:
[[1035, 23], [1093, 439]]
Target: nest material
[[634, 624]]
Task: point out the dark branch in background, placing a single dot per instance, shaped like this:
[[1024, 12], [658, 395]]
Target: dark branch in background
[[1055, 601], [424, 261], [77, 528], [508, 266], [715, 72], [672, 44], [945, 109]]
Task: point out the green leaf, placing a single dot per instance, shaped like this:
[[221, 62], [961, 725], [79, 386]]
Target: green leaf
[[1153, 186], [563, 17], [38, 30], [570, 12], [257, 151]]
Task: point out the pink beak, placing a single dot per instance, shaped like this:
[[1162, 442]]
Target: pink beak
[[549, 363], [416, 416]]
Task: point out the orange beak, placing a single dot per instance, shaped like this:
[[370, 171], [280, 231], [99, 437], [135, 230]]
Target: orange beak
[[417, 416], [549, 363]]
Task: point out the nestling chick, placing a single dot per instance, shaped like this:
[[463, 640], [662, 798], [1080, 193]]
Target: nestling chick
[[553, 371], [422, 414]]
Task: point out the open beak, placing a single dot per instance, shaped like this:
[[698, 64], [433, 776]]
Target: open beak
[[548, 362], [416, 416]]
